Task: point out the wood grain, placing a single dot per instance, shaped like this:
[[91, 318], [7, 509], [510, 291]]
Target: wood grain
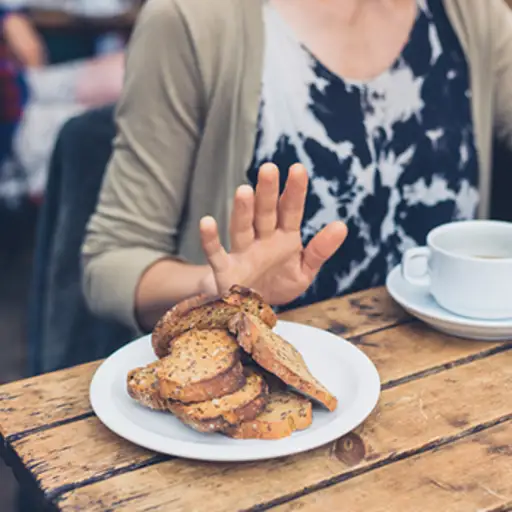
[[413, 417], [438, 390], [431, 350], [61, 396], [353, 315], [52, 398], [408, 350], [78, 451], [473, 474]]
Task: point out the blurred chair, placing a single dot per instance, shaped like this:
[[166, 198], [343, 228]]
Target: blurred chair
[[62, 332]]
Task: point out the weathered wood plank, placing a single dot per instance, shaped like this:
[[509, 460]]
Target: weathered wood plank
[[52, 398], [77, 451], [410, 418], [413, 348], [61, 396], [473, 474], [353, 315], [385, 347]]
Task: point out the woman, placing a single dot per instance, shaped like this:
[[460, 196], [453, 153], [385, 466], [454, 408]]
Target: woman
[[388, 105]]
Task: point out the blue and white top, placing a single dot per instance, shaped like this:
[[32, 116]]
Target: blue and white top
[[392, 157]]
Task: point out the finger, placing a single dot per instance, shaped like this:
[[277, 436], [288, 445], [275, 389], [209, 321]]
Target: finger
[[322, 247], [267, 195], [216, 254], [291, 204], [242, 219]]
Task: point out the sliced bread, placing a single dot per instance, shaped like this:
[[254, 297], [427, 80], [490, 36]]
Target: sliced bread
[[279, 357], [142, 386], [202, 365], [284, 413], [204, 312], [220, 414]]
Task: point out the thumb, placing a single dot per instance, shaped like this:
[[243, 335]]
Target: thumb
[[322, 247]]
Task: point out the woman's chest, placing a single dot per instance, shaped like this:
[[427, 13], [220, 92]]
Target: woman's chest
[[412, 122]]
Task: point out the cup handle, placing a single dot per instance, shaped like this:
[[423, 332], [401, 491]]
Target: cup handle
[[418, 253]]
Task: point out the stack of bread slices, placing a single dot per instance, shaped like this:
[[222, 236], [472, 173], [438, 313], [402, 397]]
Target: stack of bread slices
[[221, 368]]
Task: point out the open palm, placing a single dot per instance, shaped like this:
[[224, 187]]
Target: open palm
[[267, 253]]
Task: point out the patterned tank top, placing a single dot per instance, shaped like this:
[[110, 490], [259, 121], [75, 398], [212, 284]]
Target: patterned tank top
[[392, 157]]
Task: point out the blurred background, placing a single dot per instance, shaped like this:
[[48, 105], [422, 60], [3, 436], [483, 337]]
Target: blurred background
[[61, 72]]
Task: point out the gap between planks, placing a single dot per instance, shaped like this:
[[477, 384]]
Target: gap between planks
[[386, 385], [357, 340], [439, 443], [394, 457], [374, 310]]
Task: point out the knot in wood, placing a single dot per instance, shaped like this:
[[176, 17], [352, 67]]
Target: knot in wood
[[350, 449]]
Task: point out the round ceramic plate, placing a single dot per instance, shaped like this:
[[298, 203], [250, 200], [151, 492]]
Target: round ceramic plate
[[418, 301], [339, 365]]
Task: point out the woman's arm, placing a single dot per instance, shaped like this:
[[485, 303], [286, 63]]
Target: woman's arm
[[156, 291], [132, 236], [127, 253]]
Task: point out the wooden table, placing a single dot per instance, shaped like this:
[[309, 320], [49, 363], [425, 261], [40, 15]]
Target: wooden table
[[440, 439]]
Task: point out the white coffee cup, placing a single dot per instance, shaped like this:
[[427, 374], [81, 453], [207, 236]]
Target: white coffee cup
[[467, 266]]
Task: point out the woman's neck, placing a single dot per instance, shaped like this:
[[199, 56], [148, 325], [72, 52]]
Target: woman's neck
[[347, 12], [357, 39]]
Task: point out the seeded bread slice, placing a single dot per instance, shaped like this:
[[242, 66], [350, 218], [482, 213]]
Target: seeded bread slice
[[202, 365], [284, 413], [279, 357], [142, 386], [223, 413], [204, 312]]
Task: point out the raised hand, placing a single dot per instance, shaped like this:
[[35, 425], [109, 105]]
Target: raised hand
[[267, 253]]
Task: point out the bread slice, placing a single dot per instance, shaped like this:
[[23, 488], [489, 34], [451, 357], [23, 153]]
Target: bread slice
[[202, 365], [274, 383], [142, 386], [284, 413], [204, 312], [223, 413], [279, 357]]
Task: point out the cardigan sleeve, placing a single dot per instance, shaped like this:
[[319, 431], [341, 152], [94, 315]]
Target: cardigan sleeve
[[501, 34], [142, 198]]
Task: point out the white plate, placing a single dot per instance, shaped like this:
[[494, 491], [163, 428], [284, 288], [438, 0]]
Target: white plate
[[339, 365], [418, 301]]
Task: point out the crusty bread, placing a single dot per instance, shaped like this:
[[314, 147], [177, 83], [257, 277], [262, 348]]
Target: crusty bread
[[142, 386], [202, 312], [279, 357], [274, 383], [284, 413], [202, 365], [214, 415], [223, 413]]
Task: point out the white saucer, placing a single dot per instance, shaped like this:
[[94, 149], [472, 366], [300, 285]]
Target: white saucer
[[418, 302]]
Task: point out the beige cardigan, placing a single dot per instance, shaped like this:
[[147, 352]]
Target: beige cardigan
[[187, 123]]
